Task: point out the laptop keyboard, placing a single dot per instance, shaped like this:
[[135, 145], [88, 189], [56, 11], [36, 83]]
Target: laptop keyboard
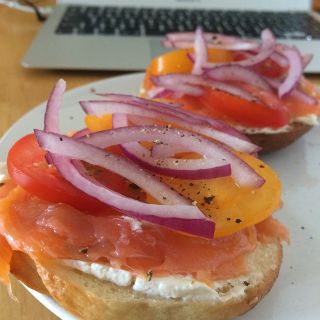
[[157, 22]]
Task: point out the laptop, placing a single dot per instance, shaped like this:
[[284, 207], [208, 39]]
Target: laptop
[[125, 35]]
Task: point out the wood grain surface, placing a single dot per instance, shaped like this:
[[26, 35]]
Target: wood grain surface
[[21, 90]]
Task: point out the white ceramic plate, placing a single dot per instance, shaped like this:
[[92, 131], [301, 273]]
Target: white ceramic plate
[[296, 294]]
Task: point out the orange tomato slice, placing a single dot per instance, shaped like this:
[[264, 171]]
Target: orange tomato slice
[[231, 207], [177, 61]]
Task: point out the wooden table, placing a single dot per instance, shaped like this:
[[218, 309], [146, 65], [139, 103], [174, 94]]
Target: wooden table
[[20, 90]]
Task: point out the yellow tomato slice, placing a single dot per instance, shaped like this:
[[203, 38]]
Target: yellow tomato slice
[[231, 207], [95, 123]]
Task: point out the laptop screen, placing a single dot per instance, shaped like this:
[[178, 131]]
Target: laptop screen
[[275, 5]]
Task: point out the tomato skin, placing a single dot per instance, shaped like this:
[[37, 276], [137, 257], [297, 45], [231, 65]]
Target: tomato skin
[[28, 168], [247, 113]]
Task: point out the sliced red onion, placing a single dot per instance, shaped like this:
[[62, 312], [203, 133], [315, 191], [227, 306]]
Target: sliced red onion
[[294, 72], [137, 100], [237, 73], [102, 107], [296, 93], [187, 169], [232, 89], [279, 59], [306, 59], [63, 148], [303, 97], [167, 82], [177, 79], [243, 174], [267, 48], [201, 52], [80, 150], [51, 117], [178, 168], [158, 93], [173, 108]]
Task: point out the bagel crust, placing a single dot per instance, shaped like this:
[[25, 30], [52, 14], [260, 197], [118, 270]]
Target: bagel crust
[[90, 298], [273, 142]]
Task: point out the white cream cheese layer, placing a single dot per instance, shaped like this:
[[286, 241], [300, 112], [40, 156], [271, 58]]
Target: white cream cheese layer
[[310, 119], [169, 287]]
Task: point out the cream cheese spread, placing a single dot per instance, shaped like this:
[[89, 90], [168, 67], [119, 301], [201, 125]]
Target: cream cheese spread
[[310, 119], [169, 287]]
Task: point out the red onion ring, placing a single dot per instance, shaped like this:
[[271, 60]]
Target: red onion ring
[[294, 72], [137, 100], [296, 93], [267, 48], [201, 51], [178, 168], [279, 59], [237, 73], [167, 82], [51, 117], [178, 79], [102, 107], [173, 108], [306, 59]]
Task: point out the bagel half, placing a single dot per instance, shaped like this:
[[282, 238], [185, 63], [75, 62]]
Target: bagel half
[[270, 142], [90, 298]]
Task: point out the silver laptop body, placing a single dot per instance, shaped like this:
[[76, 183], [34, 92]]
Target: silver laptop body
[[128, 53]]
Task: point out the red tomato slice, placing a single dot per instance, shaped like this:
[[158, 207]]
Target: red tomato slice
[[222, 105], [28, 168]]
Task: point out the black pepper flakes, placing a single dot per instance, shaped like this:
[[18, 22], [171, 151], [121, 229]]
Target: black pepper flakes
[[164, 198], [228, 219], [149, 275], [302, 227], [208, 199], [134, 186], [60, 138], [246, 283], [238, 220], [83, 250], [261, 166]]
